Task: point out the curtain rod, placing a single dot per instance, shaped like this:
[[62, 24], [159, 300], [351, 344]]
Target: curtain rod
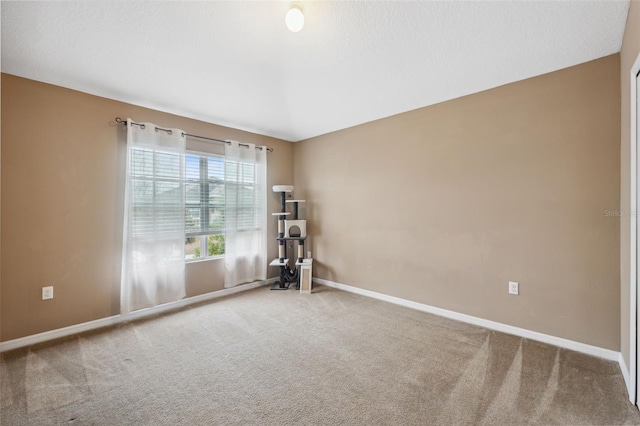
[[120, 120]]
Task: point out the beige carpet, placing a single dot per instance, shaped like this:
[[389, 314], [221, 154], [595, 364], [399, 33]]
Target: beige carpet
[[281, 358]]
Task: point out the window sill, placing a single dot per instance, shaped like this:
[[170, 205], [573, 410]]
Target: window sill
[[206, 259]]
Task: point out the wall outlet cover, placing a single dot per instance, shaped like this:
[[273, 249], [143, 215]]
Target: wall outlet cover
[[47, 293], [513, 287]]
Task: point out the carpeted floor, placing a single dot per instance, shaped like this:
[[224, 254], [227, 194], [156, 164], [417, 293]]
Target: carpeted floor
[[281, 358]]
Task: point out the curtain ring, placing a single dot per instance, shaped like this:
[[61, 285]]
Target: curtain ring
[[143, 126], [170, 132]]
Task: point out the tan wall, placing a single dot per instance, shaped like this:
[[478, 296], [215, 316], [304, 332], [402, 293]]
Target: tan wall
[[444, 205], [628, 54], [441, 205], [62, 203]]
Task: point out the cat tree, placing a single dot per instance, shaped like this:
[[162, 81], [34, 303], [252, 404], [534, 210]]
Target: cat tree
[[294, 229]]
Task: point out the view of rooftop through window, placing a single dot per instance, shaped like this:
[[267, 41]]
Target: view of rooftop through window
[[205, 203]]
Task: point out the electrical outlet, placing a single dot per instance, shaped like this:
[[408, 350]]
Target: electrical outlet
[[47, 293], [513, 287]]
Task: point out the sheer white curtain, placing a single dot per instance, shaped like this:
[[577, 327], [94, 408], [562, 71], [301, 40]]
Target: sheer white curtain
[[245, 214], [153, 265]]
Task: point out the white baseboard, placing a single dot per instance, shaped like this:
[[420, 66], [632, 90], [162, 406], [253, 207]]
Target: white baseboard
[[116, 319], [509, 329], [626, 376]]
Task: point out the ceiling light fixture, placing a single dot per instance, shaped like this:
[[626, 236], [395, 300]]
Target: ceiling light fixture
[[294, 18]]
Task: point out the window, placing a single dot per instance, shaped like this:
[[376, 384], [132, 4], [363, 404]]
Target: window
[[155, 183], [246, 218], [204, 204]]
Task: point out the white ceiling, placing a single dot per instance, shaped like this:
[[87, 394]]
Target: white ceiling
[[236, 64]]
